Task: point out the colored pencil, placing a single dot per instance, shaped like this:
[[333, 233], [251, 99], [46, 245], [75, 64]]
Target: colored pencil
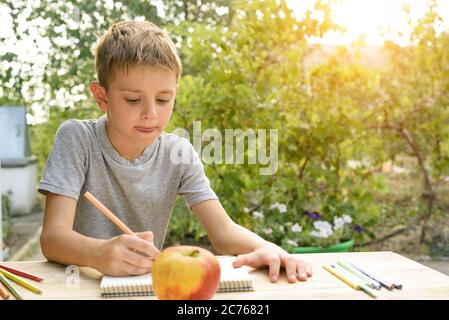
[[20, 281], [367, 291], [10, 287], [4, 293], [360, 285], [385, 283], [108, 213], [341, 277], [346, 277], [22, 273], [364, 278], [397, 285]]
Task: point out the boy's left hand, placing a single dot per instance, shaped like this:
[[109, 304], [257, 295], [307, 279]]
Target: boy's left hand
[[274, 257]]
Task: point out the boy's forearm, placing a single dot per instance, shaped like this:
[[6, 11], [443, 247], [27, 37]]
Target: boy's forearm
[[226, 236], [69, 247], [236, 239]]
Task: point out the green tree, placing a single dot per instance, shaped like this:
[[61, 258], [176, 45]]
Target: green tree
[[55, 75], [251, 74], [207, 12], [412, 108]]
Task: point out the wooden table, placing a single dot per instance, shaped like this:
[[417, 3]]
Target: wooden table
[[419, 281]]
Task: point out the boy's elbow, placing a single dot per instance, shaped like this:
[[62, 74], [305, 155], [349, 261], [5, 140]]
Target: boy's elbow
[[45, 242], [44, 245]]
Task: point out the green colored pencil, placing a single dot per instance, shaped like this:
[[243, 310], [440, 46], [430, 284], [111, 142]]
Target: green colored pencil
[[350, 279], [10, 287], [360, 275], [367, 291]]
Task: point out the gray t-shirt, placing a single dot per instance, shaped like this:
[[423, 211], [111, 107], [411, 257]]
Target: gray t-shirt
[[141, 192]]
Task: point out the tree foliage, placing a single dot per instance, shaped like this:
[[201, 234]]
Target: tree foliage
[[245, 68]]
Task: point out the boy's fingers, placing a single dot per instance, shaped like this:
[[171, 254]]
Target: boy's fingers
[[240, 261], [147, 235], [138, 244], [136, 259], [150, 249], [131, 270], [305, 267], [274, 264], [302, 271], [309, 270], [249, 259], [290, 268]]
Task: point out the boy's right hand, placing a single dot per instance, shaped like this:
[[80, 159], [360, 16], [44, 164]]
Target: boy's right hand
[[126, 255]]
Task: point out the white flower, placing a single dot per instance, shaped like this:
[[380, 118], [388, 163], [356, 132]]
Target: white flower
[[347, 218], [258, 214], [296, 228], [280, 206], [316, 234], [341, 221], [281, 229], [322, 225], [274, 206], [268, 230], [338, 222], [323, 229], [293, 243]]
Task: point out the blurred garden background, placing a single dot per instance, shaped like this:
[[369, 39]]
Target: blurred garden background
[[358, 91]]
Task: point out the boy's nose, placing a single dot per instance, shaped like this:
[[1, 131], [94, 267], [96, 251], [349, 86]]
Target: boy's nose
[[149, 111]]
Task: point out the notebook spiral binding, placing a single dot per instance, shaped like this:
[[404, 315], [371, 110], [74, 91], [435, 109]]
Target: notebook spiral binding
[[111, 289]]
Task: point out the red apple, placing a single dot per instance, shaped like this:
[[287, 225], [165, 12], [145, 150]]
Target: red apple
[[185, 273]]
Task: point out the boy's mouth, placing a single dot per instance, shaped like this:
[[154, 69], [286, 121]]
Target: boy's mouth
[[146, 129]]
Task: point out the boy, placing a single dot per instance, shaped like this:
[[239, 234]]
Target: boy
[[125, 160]]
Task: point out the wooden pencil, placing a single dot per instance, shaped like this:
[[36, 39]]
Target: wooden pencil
[[21, 281], [10, 287], [4, 293], [22, 273], [108, 213], [346, 277]]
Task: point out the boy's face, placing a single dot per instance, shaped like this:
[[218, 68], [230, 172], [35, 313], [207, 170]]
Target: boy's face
[[138, 103]]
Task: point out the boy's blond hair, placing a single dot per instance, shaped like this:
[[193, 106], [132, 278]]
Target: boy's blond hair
[[130, 43]]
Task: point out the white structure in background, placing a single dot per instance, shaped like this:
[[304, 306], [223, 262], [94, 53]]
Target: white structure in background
[[18, 168], [1, 218]]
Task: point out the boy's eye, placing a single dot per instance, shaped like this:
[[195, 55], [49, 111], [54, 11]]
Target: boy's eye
[[163, 100], [132, 100]]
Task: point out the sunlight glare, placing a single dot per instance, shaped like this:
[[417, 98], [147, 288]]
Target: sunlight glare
[[370, 19]]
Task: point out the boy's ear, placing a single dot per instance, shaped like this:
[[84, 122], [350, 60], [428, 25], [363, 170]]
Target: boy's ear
[[99, 93]]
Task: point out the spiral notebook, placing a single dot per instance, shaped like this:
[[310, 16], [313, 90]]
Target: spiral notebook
[[231, 280]]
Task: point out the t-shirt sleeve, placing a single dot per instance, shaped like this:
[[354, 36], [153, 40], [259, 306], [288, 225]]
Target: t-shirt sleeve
[[66, 166], [194, 186]]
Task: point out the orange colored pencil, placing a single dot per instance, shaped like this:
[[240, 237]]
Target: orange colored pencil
[[108, 213], [10, 287], [4, 293]]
